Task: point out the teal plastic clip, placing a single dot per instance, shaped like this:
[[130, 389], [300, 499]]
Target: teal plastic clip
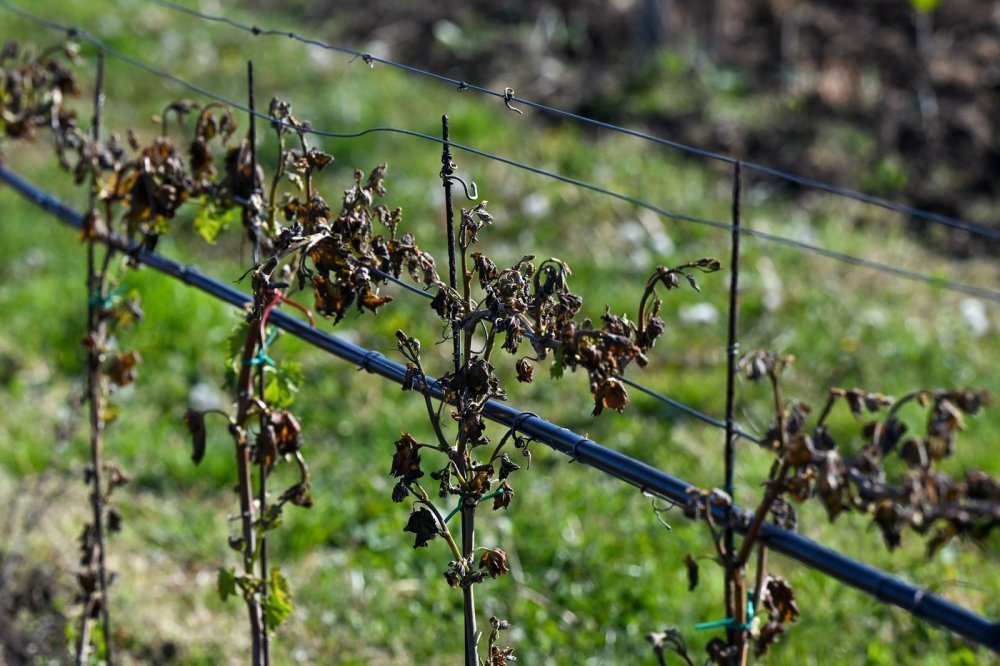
[[262, 358], [105, 303], [730, 622], [461, 499]]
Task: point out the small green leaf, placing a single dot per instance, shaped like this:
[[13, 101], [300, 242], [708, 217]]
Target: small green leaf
[[233, 350], [557, 368], [278, 604], [925, 5], [212, 221], [283, 384], [226, 583]]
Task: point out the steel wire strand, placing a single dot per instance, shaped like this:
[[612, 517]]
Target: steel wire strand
[[508, 96], [914, 276]]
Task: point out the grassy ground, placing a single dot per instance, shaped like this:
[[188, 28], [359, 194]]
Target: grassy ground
[[593, 571]]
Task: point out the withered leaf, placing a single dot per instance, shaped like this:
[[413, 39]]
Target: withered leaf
[[116, 477], [114, 520], [784, 515], [507, 467], [692, 571], [400, 492], [479, 482], [406, 460], [524, 371], [369, 299], [423, 525], [504, 497], [494, 561], [332, 298], [768, 636], [454, 574], [265, 451], [287, 431], [317, 159], [611, 394], [94, 227], [969, 401], [914, 452], [299, 494], [779, 600], [195, 422], [121, 369]]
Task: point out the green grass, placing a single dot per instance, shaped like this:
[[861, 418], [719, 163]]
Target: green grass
[[593, 571]]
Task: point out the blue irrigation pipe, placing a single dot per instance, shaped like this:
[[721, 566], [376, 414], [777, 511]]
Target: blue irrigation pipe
[[882, 586]]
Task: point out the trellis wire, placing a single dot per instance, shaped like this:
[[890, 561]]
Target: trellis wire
[[895, 271], [922, 603], [508, 97]]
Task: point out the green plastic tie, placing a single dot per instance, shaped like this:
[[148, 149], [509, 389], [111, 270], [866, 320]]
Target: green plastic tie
[[262, 358], [730, 622], [461, 499], [105, 303]]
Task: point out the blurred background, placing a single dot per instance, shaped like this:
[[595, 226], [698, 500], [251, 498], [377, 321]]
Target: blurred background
[[894, 98]]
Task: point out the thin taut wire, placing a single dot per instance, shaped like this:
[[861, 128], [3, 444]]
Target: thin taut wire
[[942, 283], [508, 96]]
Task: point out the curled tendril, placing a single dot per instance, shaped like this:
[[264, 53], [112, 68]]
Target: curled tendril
[[471, 191], [658, 511], [508, 97]]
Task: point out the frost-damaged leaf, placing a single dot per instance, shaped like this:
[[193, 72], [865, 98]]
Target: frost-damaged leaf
[[114, 520], [195, 422], [507, 467], [287, 432], [778, 599], [406, 460], [494, 561], [299, 495], [611, 394], [332, 298], [524, 370], [400, 492], [93, 227], [226, 583], [116, 477], [692, 571], [121, 368], [371, 300], [423, 525], [672, 640], [265, 451], [504, 497], [759, 364], [182, 107], [278, 603], [499, 656]]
